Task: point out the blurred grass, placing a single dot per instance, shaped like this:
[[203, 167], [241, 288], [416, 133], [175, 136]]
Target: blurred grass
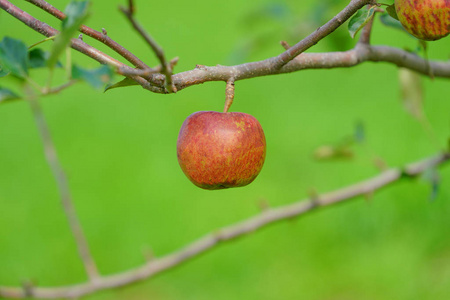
[[118, 150]]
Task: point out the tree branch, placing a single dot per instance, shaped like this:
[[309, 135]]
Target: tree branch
[[63, 188], [76, 44], [150, 79], [328, 60], [100, 36], [229, 233], [319, 34], [166, 68]]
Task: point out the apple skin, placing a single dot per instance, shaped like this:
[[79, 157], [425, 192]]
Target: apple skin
[[427, 20], [221, 150]]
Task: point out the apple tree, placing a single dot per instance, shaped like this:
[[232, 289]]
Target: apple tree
[[216, 150]]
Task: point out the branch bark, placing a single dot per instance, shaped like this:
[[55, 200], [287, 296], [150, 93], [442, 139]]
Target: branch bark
[[290, 60], [319, 34], [166, 68], [100, 36], [76, 44], [63, 188], [267, 217], [329, 60]]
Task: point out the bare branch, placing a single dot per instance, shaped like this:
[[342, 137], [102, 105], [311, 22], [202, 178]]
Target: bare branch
[[319, 34], [100, 36], [63, 188], [76, 44], [157, 83], [267, 217], [328, 60], [166, 68]]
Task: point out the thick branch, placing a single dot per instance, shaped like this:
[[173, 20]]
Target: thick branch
[[329, 60], [208, 242]]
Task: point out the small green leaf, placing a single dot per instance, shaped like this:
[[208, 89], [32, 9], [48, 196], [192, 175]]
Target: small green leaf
[[6, 94], [388, 21], [3, 72], [14, 57], [392, 12], [411, 92], [37, 58], [76, 13], [97, 78], [123, 83], [360, 19]]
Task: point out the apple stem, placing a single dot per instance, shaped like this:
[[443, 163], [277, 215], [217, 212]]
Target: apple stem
[[229, 94]]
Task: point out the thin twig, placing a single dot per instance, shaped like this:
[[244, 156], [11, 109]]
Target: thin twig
[[166, 68], [76, 44], [320, 33], [267, 217], [63, 188], [58, 89], [100, 36]]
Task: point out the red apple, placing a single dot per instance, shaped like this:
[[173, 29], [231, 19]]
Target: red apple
[[427, 20], [221, 150]]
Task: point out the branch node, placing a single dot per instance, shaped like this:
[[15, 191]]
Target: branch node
[[104, 32], [314, 198], [173, 62], [285, 45], [264, 205], [148, 253], [201, 67], [80, 36]]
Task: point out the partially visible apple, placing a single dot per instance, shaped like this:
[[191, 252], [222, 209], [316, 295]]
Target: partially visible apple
[[427, 20], [221, 150]]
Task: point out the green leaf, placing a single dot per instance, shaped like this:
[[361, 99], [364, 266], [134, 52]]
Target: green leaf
[[14, 57], [392, 12], [123, 83], [388, 21], [76, 13], [411, 92], [3, 72], [37, 58], [360, 19], [97, 78], [6, 94]]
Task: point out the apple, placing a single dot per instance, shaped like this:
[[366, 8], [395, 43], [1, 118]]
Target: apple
[[427, 20], [221, 150]]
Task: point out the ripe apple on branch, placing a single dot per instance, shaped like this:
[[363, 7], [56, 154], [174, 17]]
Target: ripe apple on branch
[[427, 20]]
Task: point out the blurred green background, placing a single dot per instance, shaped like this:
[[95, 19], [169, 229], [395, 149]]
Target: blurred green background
[[119, 151]]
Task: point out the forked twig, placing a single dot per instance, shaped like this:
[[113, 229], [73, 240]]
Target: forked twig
[[166, 68], [100, 36]]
